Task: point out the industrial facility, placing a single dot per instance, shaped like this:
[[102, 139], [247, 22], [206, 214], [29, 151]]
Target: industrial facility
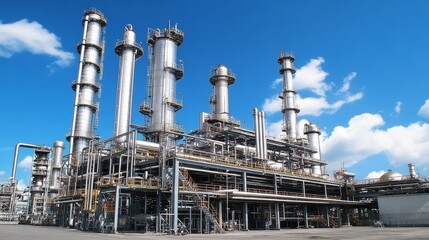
[[221, 177]]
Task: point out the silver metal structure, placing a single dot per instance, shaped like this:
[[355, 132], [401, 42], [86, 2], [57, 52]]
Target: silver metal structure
[[164, 71], [91, 50], [56, 166], [261, 139], [129, 51], [313, 132], [221, 77], [289, 109], [412, 171], [39, 188]]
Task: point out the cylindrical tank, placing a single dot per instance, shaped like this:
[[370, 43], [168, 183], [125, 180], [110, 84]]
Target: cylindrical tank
[[221, 78], [86, 86], [203, 118], [412, 171], [165, 72], [56, 166], [313, 132], [289, 109], [129, 51]]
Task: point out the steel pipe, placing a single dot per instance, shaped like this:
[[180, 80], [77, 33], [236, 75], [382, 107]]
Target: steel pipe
[[15, 157]]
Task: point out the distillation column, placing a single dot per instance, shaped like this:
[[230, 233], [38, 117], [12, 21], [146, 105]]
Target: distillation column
[[221, 78], [289, 109], [313, 132], [38, 186], [129, 51], [87, 85], [56, 166], [162, 76]]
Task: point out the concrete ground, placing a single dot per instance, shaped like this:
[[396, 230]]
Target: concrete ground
[[20, 232]]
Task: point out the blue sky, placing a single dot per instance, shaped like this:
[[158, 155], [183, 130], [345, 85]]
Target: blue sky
[[361, 71]]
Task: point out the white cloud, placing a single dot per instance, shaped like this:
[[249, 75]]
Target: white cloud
[[2, 173], [24, 36], [375, 174], [276, 82], [364, 137], [346, 82], [398, 107], [26, 163], [317, 106], [272, 105], [312, 77], [275, 129], [424, 110]]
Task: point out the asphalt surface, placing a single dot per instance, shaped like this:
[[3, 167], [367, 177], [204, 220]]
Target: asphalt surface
[[22, 232]]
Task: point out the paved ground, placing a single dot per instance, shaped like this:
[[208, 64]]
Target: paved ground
[[22, 232]]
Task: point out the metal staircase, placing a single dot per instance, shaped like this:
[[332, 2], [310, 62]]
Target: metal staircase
[[209, 211]]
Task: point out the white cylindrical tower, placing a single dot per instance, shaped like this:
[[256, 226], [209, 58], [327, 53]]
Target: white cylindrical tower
[[221, 77], [289, 109], [129, 51], [87, 85], [56, 166], [163, 73], [313, 132]]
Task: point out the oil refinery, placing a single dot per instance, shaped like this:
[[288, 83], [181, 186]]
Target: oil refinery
[[221, 177]]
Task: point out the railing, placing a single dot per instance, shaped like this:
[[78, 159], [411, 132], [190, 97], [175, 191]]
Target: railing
[[214, 72], [138, 182], [225, 160], [211, 211], [129, 43], [176, 66]]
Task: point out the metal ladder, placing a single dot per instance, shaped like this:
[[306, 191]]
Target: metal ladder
[[208, 209]]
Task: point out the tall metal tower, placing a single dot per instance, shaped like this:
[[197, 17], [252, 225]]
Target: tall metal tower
[[129, 51], [163, 73], [91, 50], [221, 78], [289, 108]]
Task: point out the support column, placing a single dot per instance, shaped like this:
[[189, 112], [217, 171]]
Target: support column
[[175, 195], [303, 188], [305, 216], [326, 191], [158, 211], [276, 205], [220, 214], [346, 216], [277, 209], [327, 216], [115, 225], [245, 204]]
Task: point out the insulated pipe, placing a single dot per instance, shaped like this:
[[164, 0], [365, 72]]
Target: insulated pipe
[[129, 51], [263, 137], [15, 157], [257, 133], [148, 145]]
